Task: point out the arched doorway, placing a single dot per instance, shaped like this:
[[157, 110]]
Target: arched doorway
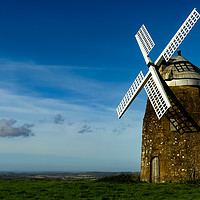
[[155, 170]]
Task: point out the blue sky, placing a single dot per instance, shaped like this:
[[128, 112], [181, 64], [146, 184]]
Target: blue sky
[[64, 68]]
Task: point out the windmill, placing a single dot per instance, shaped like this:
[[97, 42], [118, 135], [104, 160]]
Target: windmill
[[162, 99]]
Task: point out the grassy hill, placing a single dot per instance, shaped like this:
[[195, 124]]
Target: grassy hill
[[112, 187]]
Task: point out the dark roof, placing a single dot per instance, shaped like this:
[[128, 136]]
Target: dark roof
[[179, 68]]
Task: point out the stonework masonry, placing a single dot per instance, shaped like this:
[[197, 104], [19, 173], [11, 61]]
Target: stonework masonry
[[178, 155]]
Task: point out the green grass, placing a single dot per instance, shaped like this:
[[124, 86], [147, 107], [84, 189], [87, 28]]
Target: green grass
[[20, 189]]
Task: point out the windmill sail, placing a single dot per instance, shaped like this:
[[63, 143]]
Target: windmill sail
[[179, 37], [178, 116], [154, 86], [133, 91], [154, 89], [145, 42], [157, 94]]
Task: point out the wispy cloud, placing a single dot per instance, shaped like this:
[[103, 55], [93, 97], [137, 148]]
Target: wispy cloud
[[77, 84], [7, 129], [59, 119], [85, 129], [79, 121], [118, 131]]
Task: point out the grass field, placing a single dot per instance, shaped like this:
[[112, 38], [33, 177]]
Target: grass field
[[26, 189]]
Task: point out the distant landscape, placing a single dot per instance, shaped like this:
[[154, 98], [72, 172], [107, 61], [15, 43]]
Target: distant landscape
[[58, 176]]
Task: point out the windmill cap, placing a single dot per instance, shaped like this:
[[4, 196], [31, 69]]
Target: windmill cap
[[179, 71]]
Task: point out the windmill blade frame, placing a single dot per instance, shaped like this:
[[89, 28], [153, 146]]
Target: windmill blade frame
[[178, 116], [156, 93], [151, 81], [154, 90], [145, 42], [131, 94], [153, 87], [178, 38]]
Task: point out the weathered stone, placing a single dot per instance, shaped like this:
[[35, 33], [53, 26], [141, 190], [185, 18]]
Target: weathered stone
[[166, 155]]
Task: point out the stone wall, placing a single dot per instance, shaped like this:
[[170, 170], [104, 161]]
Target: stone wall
[[178, 155]]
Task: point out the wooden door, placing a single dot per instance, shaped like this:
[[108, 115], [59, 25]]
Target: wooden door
[[155, 170]]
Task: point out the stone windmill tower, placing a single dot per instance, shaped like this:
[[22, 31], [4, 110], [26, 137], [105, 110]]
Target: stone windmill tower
[[170, 140], [171, 146]]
